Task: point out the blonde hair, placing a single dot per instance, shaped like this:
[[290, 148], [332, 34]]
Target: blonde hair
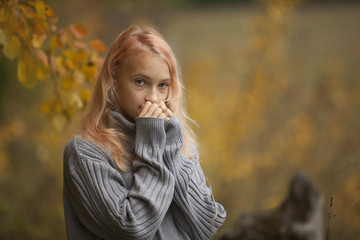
[[97, 124]]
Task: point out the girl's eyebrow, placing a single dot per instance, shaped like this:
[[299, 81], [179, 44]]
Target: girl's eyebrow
[[149, 78], [166, 80], [141, 75]]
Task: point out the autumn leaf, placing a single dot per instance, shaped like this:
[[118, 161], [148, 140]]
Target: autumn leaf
[[98, 45], [85, 95], [40, 9], [42, 57], [68, 83], [45, 107], [79, 30], [79, 44], [12, 49], [27, 11], [26, 72], [42, 72], [89, 70], [76, 57], [29, 33], [37, 41]]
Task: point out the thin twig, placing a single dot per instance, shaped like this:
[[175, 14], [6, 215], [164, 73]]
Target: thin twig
[[330, 214]]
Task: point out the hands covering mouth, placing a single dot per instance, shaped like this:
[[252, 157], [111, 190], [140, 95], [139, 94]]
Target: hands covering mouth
[[155, 110]]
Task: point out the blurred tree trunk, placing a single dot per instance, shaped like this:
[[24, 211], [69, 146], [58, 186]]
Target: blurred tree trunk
[[299, 217]]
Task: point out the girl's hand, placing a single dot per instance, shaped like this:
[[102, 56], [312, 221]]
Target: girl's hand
[[154, 110], [168, 113]]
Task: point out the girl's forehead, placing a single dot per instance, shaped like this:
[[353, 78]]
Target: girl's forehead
[[143, 57], [146, 63]]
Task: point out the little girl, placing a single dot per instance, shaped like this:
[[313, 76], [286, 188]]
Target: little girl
[[133, 171]]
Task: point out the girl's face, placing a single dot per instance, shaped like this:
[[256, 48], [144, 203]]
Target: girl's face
[[144, 77]]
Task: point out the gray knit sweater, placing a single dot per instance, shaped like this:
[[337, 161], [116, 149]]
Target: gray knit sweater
[[164, 197]]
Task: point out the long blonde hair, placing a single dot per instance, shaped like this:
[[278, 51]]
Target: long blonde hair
[[97, 124]]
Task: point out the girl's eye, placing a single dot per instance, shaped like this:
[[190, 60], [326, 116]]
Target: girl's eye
[[139, 82], [163, 85]]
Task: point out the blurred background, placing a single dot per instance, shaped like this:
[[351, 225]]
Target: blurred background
[[274, 86]]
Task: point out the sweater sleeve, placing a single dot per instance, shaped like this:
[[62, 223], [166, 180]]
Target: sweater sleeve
[[98, 192], [193, 197]]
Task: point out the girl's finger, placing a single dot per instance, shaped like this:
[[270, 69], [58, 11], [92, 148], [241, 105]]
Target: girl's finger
[[166, 110], [162, 115], [152, 111], [162, 106], [144, 109], [156, 112], [168, 113]]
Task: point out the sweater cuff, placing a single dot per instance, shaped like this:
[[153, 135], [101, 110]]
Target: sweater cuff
[[150, 131], [173, 131]]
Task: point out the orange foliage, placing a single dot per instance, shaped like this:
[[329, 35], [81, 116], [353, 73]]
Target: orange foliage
[[29, 33]]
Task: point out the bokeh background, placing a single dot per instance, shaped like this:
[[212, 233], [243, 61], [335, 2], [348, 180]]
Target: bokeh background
[[274, 87]]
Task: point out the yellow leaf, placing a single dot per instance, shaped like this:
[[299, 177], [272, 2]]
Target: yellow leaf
[[56, 105], [50, 107], [60, 65], [98, 45], [64, 37], [79, 56], [26, 72], [54, 44], [89, 70], [41, 12], [37, 41], [40, 9], [85, 95], [68, 83], [69, 64], [45, 107], [39, 27], [42, 72], [27, 11], [12, 48], [14, 22], [78, 30], [69, 54]]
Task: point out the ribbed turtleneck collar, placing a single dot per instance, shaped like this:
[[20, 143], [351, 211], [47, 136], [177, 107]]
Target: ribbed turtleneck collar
[[128, 126]]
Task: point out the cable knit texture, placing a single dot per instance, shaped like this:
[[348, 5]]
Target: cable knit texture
[[164, 197]]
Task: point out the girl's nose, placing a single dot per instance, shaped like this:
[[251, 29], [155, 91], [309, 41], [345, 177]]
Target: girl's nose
[[152, 96]]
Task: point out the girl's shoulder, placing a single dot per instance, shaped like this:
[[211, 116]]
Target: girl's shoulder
[[84, 157], [84, 149]]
